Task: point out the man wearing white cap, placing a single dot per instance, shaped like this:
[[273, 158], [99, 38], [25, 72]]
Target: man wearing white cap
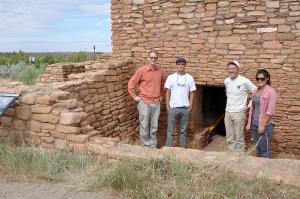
[[237, 89]]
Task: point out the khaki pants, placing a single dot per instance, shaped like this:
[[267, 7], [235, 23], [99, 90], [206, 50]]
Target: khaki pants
[[234, 124]]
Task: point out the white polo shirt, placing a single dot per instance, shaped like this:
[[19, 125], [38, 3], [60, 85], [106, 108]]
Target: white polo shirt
[[237, 91], [180, 86]]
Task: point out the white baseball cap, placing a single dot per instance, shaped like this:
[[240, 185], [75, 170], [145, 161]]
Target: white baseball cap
[[236, 63]]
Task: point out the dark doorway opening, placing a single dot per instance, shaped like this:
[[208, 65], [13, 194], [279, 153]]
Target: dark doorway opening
[[213, 109]]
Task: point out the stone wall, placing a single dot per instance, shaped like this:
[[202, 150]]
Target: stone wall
[[65, 115], [209, 33], [59, 72]]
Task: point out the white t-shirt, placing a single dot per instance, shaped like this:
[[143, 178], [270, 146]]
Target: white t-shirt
[[237, 91], [180, 86]]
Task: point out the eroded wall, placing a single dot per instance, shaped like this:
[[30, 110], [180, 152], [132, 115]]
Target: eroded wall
[[66, 115]]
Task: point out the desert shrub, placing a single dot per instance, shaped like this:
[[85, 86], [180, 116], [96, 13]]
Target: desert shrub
[[26, 73], [4, 71]]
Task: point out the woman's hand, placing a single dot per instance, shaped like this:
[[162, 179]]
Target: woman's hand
[[261, 129]]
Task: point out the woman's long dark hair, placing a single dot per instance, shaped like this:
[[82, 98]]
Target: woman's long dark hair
[[265, 74]]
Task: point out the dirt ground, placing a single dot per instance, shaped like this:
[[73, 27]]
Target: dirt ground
[[218, 143], [46, 190]]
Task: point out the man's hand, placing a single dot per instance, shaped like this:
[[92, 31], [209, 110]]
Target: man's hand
[[138, 99], [168, 108]]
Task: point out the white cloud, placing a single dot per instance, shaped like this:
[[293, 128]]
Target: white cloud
[[21, 20]]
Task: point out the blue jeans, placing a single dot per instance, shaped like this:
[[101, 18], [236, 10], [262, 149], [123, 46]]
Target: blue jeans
[[148, 117], [263, 141], [182, 114]]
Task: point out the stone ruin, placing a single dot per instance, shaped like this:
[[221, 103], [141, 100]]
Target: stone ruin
[[70, 104], [74, 106]]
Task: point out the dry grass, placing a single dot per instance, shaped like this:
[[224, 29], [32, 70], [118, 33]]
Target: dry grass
[[151, 178]]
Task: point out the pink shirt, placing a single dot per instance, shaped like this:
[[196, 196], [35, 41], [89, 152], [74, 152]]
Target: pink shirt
[[150, 83], [267, 105]]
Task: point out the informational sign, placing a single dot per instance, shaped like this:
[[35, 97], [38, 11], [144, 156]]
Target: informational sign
[[6, 100]]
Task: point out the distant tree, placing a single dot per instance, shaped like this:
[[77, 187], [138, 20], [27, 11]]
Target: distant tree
[[4, 60], [48, 59], [16, 58], [78, 57]]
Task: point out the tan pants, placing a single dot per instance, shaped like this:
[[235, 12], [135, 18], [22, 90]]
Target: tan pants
[[234, 124]]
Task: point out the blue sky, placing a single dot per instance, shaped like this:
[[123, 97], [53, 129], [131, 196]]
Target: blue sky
[[55, 25]]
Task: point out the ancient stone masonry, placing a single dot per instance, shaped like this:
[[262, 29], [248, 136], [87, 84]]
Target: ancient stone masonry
[[73, 104], [259, 34], [59, 72], [65, 115]]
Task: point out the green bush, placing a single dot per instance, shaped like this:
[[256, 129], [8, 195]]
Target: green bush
[[4, 60], [16, 58], [26, 73], [78, 57]]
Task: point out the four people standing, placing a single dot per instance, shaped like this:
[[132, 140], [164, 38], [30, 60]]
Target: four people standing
[[179, 101]]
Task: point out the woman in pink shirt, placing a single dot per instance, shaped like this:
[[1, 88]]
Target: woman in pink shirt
[[261, 114]]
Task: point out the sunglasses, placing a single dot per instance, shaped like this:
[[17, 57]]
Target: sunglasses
[[260, 79], [153, 57]]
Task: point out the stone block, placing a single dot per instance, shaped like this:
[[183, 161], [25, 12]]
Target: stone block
[[70, 118], [236, 47], [67, 129], [47, 126], [45, 99], [48, 140], [60, 95], [19, 124], [138, 2], [272, 4], [23, 112], [277, 21], [58, 135], [256, 13], [47, 118], [269, 29], [229, 39], [34, 125], [6, 121], [272, 45], [78, 138], [175, 21], [29, 99], [38, 108]]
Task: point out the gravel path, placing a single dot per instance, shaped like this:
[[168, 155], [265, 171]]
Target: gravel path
[[45, 190]]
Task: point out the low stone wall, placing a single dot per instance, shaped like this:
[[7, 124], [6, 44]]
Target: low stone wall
[[65, 115], [60, 72]]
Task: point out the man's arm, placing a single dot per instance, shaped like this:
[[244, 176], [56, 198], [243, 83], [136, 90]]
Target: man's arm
[[133, 83], [191, 96], [162, 88], [168, 92]]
